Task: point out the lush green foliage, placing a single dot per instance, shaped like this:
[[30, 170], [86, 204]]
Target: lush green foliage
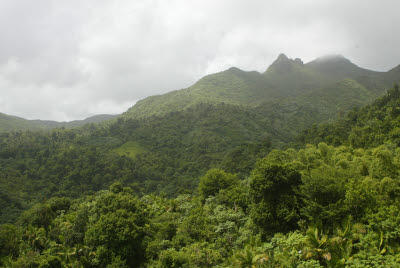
[[216, 180], [274, 192], [318, 206], [166, 154]]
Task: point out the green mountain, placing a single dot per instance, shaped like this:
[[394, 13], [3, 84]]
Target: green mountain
[[284, 80], [289, 96], [14, 123]]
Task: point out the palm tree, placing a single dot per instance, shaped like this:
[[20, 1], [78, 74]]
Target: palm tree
[[316, 245], [341, 244], [248, 258], [36, 237]]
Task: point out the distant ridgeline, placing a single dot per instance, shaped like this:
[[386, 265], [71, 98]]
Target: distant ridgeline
[[14, 123]]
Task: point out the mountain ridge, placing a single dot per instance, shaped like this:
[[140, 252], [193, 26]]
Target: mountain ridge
[[285, 81], [284, 78]]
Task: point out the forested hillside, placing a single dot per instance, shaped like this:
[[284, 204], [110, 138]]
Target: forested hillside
[[158, 154], [316, 206], [366, 127]]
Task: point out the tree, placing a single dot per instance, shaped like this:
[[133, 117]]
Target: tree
[[216, 180], [274, 193], [117, 228], [9, 241], [323, 193]]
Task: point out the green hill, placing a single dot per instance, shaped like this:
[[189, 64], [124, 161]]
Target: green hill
[[14, 123]]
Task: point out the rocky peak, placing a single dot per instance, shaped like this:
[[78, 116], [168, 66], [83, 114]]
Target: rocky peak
[[284, 64]]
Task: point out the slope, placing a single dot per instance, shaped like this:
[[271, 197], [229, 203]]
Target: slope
[[13, 123], [170, 154], [370, 126]]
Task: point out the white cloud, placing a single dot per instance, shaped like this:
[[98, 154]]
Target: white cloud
[[71, 59]]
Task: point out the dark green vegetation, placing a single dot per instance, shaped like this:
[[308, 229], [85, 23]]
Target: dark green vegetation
[[197, 181], [14, 123]]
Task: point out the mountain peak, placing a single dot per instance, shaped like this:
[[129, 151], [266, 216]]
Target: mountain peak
[[333, 58], [283, 64], [282, 57], [336, 66], [331, 61], [395, 69], [234, 70]]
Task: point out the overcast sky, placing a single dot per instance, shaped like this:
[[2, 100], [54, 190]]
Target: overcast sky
[[70, 59]]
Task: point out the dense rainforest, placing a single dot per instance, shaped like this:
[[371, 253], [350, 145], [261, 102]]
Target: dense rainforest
[[321, 205], [252, 181]]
